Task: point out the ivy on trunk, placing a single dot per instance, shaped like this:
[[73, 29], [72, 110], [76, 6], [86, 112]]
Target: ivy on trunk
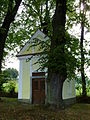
[[57, 72]]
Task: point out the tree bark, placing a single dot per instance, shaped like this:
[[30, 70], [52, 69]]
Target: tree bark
[[82, 53], [9, 18], [57, 72], [82, 61]]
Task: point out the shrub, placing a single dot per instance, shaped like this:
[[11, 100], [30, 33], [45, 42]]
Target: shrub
[[78, 89], [10, 87]]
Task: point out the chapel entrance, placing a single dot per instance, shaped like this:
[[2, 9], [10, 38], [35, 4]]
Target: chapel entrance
[[38, 88]]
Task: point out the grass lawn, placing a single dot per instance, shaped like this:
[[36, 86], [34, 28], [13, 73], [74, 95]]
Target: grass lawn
[[11, 109]]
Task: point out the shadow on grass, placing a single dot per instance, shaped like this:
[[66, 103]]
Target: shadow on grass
[[83, 99], [12, 109]]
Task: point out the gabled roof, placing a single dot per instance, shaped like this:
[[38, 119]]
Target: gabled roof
[[39, 35]]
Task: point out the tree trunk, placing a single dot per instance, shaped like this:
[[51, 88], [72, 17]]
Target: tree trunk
[[82, 61], [82, 52], [57, 66], [55, 87], [9, 18]]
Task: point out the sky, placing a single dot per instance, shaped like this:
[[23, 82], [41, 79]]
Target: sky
[[12, 62]]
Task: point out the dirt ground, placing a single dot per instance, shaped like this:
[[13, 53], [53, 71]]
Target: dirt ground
[[11, 109]]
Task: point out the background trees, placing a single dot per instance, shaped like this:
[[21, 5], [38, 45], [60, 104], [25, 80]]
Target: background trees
[[79, 16], [83, 10], [9, 81], [10, 73]]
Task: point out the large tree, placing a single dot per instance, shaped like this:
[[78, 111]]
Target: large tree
[[79, 15], [57, 72], [83, 4], [13, 6], [83, 20]]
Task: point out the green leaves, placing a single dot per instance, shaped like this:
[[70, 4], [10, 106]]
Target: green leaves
[[10, 73], [54, 60], [10, 87]]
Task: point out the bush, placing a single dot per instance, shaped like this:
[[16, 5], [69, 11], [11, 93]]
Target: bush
[[78, 89], [2, 80], [79, 85], [10, 87], [16, 87]]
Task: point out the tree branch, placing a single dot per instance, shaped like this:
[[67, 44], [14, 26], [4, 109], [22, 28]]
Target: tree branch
[[9, 18]]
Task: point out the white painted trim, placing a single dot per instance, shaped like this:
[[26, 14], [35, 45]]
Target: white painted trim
[[22, 50], [38, 32], [38, 76], [24, 57], [31, 81], [20, 80], [28, 43]]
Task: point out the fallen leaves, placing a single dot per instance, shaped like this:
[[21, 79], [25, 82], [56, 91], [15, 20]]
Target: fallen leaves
[[14, 110]]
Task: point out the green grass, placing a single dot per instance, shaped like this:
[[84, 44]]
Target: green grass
[[11, 109]]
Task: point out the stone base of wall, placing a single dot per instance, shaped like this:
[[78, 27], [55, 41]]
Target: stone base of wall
[[24, 100], [69, 101]]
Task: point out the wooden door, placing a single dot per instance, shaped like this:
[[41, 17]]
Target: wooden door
[[38, 90], [42, 91]]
